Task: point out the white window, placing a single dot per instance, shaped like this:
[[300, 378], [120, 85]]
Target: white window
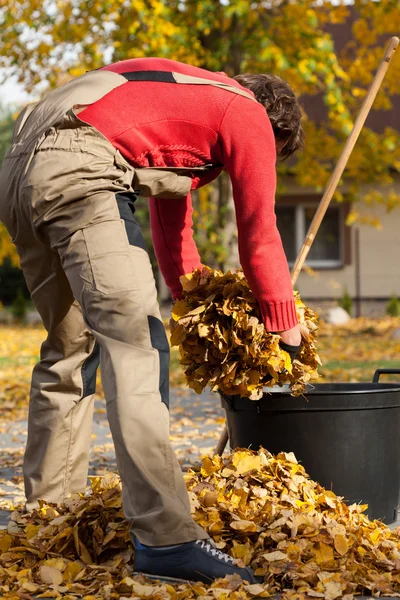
[[327, 249]]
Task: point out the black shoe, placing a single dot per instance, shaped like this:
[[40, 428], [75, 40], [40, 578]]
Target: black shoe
[[193, 561]]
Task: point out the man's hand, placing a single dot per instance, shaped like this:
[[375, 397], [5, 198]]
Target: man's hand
[[292, 337]]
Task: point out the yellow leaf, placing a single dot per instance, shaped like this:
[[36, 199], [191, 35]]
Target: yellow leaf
[[5, 542], [143, 591], [256, 589], [245, 463], [375, 535], [240, 550], [341, 544], [30, 587], [180, 309], [71, 571], [208, 467], [245, 526], [31, 531], [84, 554], [57, 563], [24, 574], [178, 335], [323, 553]]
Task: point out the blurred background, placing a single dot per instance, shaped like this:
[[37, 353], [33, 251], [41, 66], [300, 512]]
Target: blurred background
[[327, 51]]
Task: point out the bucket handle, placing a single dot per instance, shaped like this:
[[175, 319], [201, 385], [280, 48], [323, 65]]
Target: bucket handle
[[380, 372]]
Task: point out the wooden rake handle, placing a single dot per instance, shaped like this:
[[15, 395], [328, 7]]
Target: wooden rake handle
[[334, 180]]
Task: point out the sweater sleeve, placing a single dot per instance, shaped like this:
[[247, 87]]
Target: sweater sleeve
[[249, 155], [172, 232]]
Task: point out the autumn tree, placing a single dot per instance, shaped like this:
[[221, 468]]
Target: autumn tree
[[46, 40], [6, 131]]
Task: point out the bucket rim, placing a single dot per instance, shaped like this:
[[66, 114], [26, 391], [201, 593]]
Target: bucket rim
[[316, 389], [372, 397]]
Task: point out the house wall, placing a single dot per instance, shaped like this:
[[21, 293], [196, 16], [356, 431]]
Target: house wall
[[379, 263]]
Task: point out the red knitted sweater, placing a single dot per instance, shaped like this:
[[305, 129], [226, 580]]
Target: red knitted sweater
[[167, 124]]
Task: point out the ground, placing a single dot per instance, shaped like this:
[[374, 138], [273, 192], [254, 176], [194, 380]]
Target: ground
[[350, 353]]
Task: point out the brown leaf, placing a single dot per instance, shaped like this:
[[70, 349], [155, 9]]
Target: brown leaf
[[244, 526], [276, 555], [341, 544], [50, 575]]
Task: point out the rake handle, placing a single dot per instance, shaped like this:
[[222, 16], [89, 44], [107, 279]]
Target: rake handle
[[333, 182]]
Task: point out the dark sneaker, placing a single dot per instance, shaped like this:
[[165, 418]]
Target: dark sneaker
[[193, 561]]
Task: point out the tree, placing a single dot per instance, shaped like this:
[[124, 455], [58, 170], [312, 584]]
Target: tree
[[11, 280], [6, 131], [292, 38]]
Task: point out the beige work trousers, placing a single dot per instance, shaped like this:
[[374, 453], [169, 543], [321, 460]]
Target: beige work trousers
[[65, 199]]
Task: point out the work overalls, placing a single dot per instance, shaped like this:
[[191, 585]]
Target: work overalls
[[66, 199]]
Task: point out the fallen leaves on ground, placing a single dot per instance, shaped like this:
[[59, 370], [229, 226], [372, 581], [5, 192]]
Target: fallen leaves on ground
[[263, 510], [349, 353], [352, 352], [223, 342], [19, 351]]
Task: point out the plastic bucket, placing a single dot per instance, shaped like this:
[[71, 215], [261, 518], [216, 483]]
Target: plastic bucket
[[346, 435]]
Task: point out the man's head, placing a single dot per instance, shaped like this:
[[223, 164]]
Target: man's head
[[282, 108]]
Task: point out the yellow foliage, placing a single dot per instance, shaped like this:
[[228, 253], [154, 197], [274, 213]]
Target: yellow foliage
[[301, 540], [7, 248], [287, 38]]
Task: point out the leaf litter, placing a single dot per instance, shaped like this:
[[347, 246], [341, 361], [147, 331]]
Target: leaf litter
[[263, 510], [362, 339], [223, 342]]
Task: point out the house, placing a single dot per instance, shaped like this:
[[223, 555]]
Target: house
[[360, 259]]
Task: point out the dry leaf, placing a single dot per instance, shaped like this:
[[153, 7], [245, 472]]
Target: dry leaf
[[223, 342], [50, 575], [277, 555], [263, 510], [241, 525], [341, 544]]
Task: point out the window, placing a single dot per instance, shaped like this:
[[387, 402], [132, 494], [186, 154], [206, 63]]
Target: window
[[327, 249]]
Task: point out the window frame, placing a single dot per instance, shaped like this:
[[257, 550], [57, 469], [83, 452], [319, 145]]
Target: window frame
[[301, 230]]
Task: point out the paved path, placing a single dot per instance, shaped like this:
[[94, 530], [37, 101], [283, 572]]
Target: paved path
[[196, 424]]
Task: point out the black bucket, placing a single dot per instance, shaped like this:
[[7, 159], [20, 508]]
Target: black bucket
[[346, 435]]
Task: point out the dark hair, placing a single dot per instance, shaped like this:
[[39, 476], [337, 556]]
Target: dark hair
[[282, 107]]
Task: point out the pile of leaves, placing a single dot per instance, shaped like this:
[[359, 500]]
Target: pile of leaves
[[263, 510], [266, 511], [223, 342], [363, 326]]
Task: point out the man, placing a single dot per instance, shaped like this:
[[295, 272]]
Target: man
[[67, 189]]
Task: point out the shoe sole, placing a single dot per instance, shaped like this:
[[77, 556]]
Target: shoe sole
[[173, 580]]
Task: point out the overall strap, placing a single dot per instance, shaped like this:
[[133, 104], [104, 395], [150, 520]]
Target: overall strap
[[172, 77]]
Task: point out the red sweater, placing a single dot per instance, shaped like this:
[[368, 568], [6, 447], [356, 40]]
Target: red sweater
[[180, 125]]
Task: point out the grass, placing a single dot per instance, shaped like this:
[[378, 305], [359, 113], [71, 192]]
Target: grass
[[350, 353], [6, 361], [367, 366]]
